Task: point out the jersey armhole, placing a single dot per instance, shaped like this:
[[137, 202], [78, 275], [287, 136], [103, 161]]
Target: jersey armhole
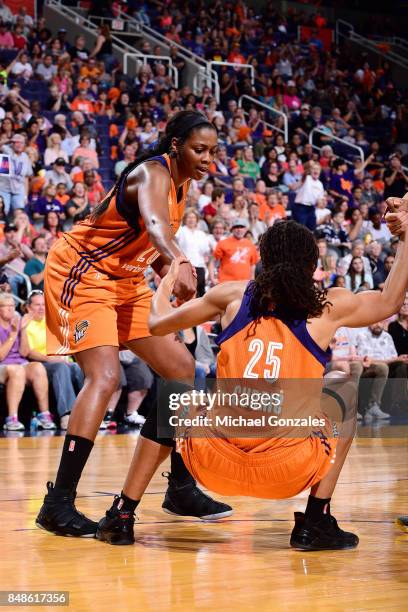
[[130, 212]]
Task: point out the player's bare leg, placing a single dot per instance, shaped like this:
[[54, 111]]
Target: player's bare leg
[[173, 362], [58, 514]]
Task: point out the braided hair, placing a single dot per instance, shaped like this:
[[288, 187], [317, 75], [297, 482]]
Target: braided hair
[[180, 126], [289, 257]]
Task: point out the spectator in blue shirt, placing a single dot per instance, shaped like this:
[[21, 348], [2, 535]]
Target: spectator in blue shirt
[[34, 268]]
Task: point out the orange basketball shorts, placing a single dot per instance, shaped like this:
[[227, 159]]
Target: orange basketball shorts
[[86, 308], [278, 472]]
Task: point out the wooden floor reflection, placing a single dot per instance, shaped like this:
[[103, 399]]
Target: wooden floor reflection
[[242, 563]]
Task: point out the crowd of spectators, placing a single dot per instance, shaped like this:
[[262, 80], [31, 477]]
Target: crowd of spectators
[[71, 120]]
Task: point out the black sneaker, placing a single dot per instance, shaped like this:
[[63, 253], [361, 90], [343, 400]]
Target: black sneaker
[[116, 527], [402, 522], [189, 500], [324, 535], [59, 515]]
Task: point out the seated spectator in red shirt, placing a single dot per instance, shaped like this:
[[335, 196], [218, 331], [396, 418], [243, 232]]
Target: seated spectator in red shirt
[[20, 41], [210, 211]]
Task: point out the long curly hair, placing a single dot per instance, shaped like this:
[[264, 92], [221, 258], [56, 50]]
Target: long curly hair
[[289, 256], [180, 126]]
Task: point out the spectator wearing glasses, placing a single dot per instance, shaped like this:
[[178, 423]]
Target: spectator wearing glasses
[[14, 349], [64, 375]]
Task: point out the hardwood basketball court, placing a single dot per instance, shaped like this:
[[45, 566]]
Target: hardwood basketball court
[[240, 563]]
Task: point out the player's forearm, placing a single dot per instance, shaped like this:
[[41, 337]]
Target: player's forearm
[[160, 306], [163, 239]]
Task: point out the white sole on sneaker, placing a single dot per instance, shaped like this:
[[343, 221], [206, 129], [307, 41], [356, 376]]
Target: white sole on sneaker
[[208, 517]]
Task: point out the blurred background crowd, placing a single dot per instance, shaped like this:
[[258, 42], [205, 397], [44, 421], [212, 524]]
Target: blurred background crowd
[[71, 119]]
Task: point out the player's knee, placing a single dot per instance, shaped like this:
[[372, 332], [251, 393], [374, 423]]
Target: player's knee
[[106, 380]]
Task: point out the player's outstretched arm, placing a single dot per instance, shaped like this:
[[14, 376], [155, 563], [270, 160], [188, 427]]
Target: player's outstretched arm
[[359, 310], [165, 319]]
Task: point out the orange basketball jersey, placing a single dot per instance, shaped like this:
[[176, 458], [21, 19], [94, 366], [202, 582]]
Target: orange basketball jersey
[[275, 349], [117, 243], [270, 347], [274, 465]]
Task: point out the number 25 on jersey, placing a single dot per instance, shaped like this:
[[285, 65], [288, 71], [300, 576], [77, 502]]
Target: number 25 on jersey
[[271, 361]]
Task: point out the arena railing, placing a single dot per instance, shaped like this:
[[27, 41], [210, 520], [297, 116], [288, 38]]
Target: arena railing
[[257, 103], [132, 27], [237, 67], [144, 59], [201, 69], [27, 282], [60, 14], [335, 139], [344, 29]]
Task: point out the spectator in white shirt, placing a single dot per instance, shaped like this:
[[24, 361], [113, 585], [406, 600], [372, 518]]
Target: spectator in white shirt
[[381, 359], [355, 277], [22, 67], [46, 69], [379, 231], [195, 245], [311, 190], [323, 214]]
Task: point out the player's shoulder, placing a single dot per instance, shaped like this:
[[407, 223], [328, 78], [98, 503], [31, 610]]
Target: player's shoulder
[[149, 171], [226, 293]]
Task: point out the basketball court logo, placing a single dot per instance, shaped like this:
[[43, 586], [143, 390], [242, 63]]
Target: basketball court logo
[[80, 330]]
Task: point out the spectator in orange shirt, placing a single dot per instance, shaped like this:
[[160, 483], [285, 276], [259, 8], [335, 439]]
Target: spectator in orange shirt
[[83, 166], [237, 255], [274, 210], [82, 103], [91, 70], [259, 196], [62, 193], [236, 56]]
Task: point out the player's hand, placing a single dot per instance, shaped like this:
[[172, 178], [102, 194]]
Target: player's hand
[[397, 204], [185, 286], [397, 222], [173, 272], [366, 361]]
